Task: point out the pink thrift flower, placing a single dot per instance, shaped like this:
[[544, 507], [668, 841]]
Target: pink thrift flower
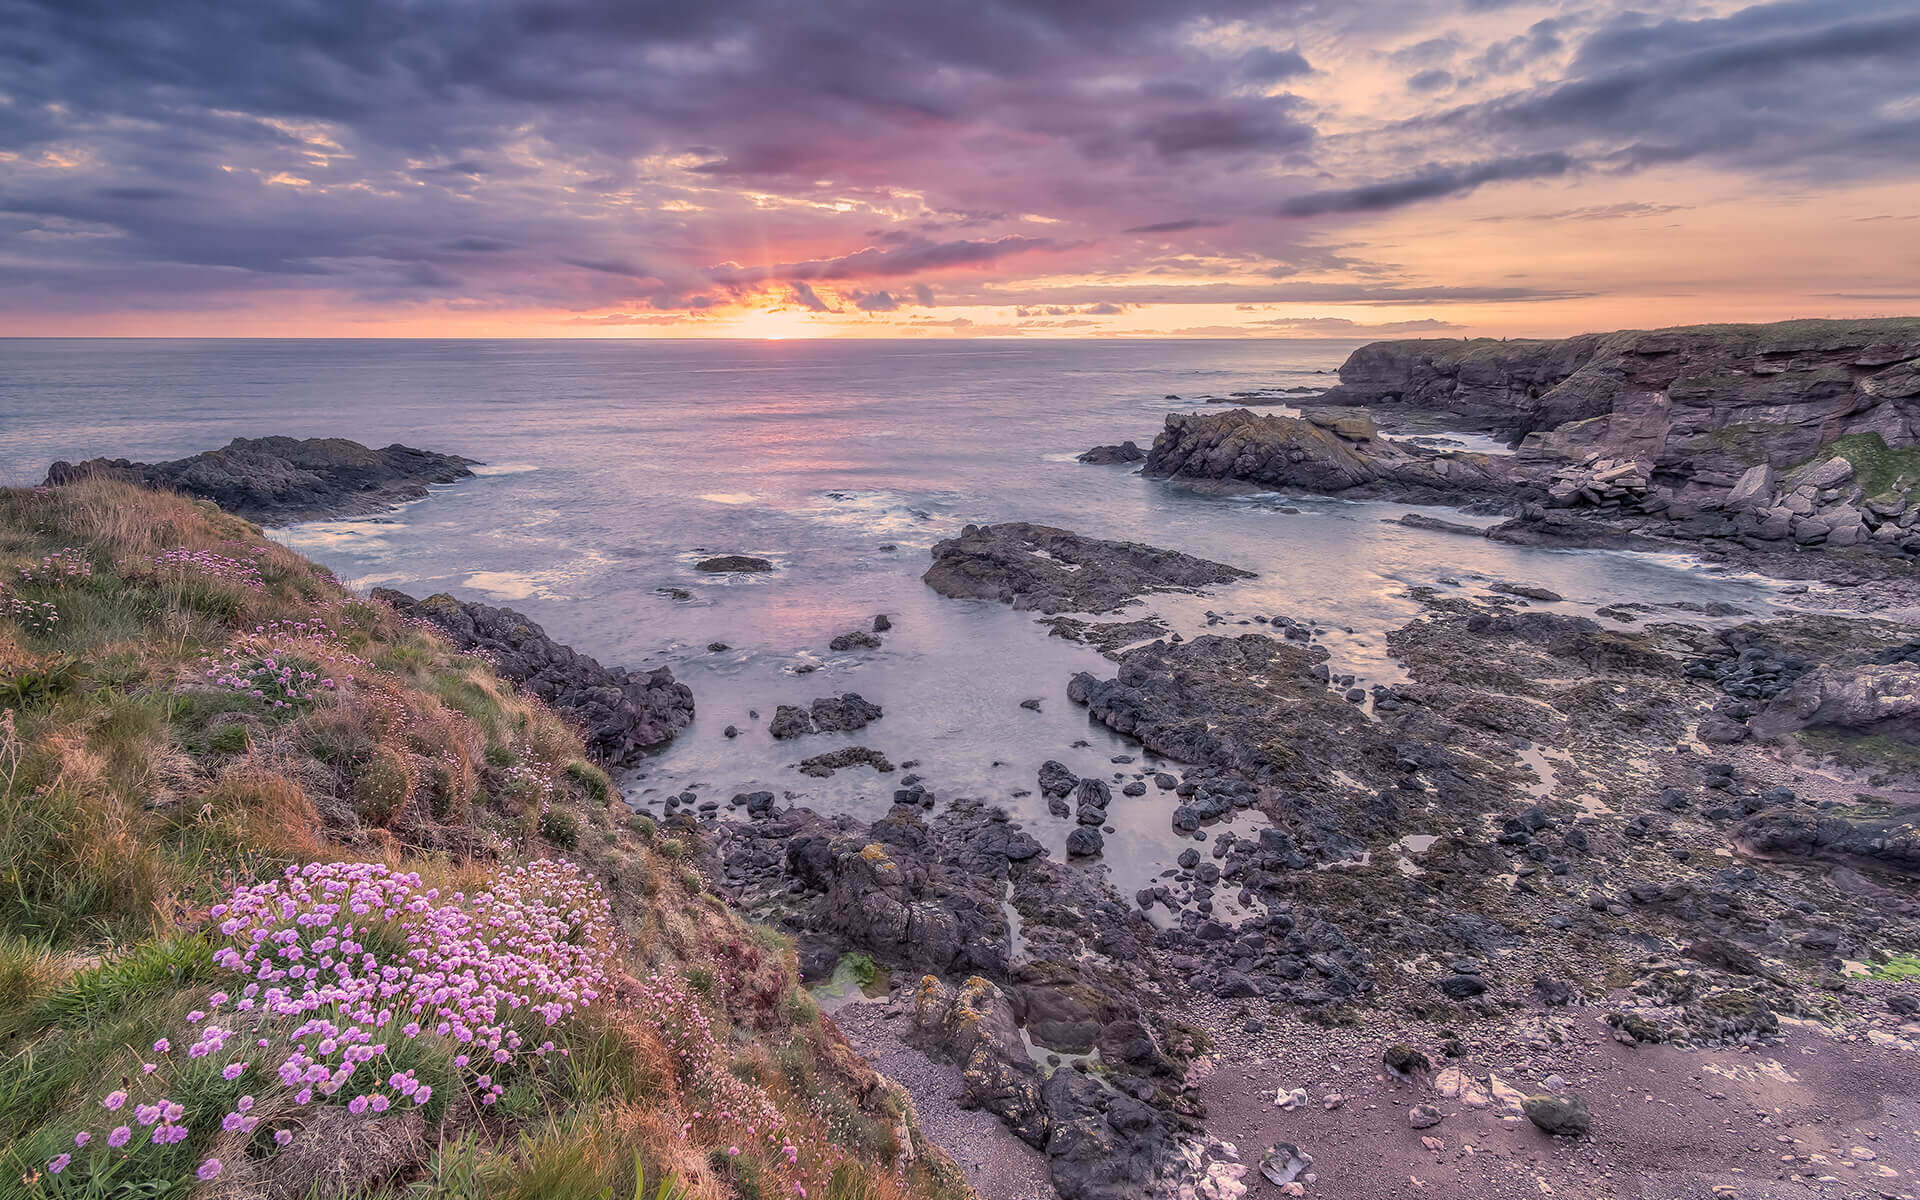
[[119, 1136], [58, 1163], [209, 1169]]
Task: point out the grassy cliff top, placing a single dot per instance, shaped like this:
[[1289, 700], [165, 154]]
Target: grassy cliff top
[[1811, 332], [296, 901]]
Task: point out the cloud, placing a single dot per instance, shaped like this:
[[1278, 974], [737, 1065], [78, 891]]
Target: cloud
[[1340, 326], [1180, 226], [1264, 64], [875, 302], [914, 256], [807, 298], [580, 156], [1427, 185]]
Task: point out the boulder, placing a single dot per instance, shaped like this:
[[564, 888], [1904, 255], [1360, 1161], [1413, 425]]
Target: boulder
[[1563, 1115]]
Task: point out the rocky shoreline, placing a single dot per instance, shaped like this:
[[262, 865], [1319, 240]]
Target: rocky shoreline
[[1559, 860], [1734, 440]]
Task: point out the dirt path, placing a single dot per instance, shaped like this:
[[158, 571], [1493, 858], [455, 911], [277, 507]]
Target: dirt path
[[1813, 1117]]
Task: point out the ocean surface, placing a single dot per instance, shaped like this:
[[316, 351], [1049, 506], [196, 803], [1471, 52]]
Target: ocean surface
[[612, 466]]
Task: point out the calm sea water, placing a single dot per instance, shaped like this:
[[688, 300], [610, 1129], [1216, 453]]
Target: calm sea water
[[613, 466]]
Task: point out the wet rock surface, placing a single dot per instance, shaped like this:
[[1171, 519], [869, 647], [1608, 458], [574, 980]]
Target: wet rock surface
[[624, 714], [282, 480], [1053, 570]]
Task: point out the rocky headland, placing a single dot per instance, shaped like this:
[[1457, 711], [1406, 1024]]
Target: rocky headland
[[283, 480], [1758, 439]]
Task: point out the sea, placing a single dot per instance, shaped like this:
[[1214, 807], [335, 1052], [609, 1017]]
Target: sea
[[611, 467]]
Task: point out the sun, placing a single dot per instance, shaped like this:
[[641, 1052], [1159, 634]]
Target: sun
[[776, 325]]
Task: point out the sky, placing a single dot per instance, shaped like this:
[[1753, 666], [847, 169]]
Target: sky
[[1000, 168]]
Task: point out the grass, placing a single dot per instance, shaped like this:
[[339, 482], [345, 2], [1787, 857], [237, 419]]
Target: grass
[[137, 791], [1899, 966], [1878, 469]]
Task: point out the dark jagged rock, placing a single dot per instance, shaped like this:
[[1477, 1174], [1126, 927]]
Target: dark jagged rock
[[733, 563], [829, 714], [1319, 452], [1053, 570], [856, 639], [820, 766], [1125, 452], [623, 713], [1780, 831], [281, 480]]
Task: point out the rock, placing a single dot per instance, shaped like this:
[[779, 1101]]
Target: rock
[[736, 563], [1125, 452], [1248, 450], [882, 623], [1414, 520], [1290, 1100], [1283, 1163], [1084, 842], [820, 766], [1562, 1115], [1424, 1116], [1051, 570], [625, 713], [858, 639], [1860, 698], [1404, 1060], [1056, 780], [281, 480], [1528, 591]]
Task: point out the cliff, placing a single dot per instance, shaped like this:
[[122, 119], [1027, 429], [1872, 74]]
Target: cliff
[[297, 900], [1701, 404]]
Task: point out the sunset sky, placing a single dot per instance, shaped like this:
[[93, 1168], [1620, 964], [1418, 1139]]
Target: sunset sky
[[760, 168]]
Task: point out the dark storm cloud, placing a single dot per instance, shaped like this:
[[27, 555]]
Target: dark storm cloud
[[1793, 85], [1427, 185], [807, 298]]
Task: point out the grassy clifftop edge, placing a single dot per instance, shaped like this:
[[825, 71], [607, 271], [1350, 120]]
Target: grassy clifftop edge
[[297, 901]]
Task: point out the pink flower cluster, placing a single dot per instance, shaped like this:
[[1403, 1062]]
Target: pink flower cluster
[[730, 1109], [211, 565], [323, 1012], [35, 616], [57, 569], [276, 662]]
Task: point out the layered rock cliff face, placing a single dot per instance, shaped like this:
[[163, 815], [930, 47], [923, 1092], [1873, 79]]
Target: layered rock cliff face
[[1700, 404], [280, 480]]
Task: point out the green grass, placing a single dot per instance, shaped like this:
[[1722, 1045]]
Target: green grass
[[1899, 966], [1878, 469]]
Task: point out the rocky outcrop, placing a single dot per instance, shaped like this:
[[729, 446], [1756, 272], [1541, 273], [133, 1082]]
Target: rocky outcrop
[[1053, 570], [1780, 831], [829, 714], [1871, 698], [624, 714], [281, 480], [1710, 400], [1125, 452], [1323, 452]]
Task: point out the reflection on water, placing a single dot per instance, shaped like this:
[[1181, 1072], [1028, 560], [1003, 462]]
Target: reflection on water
[[616, 466]]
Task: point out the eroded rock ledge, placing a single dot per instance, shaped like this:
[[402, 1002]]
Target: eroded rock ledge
[[1051, 570], [282, 480], [624, 714]]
